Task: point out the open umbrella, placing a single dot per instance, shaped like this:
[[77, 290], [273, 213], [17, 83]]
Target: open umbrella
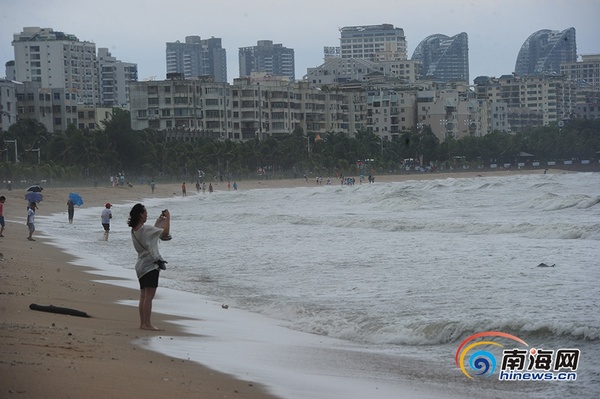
[[35, 188], [34, 196], [76, 199]]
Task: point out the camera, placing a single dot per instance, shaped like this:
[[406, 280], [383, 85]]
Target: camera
[[164, 213], [161, 264]]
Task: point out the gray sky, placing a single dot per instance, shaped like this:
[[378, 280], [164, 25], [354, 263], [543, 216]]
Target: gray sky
[[137, 31]]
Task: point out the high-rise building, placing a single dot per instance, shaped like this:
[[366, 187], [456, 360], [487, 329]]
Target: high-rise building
[[57, 60], [444, 58], [198, 57], [269, 58], [545, 50], [114, 78], [373, 42]]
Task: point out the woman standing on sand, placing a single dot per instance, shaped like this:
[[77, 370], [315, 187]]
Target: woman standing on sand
[[70, 210], [149, 262]]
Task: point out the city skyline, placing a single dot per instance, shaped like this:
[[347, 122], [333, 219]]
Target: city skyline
[[496, 30]]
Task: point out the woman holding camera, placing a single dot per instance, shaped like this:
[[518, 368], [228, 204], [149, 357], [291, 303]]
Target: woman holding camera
[[149, 262]]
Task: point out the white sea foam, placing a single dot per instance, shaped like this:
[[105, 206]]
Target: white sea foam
[[399, 271]]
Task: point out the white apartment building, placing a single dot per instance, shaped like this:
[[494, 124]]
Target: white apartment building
[[535, 100], [586, 71], [57, 60], [339, 70], [449, 113], [114, 78], [390, 112], [374, 42], [54, 108]]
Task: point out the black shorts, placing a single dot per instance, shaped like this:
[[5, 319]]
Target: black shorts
[[106, 226], [149, 280]]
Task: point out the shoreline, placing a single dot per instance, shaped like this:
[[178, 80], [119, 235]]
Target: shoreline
[[94, 357], [97, 357]]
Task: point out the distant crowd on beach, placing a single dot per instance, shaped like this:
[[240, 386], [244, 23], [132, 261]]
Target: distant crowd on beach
[[345, 181]]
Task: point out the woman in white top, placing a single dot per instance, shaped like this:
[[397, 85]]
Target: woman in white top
[[149, 262]]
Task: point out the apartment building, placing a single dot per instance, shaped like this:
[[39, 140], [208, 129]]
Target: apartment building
[[533, 100], [449, 112], [374, 42], [57, 60], [269, 106], [197, 57], [55, 108], [336, 70], [390, 112], [174, 105], [114, 78], [586, 74]]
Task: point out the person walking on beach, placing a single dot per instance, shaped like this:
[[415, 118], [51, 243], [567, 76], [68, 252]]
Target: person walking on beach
[[106, 216], [31, 220], [152, 185], [70, 210], [2, 223], [149, 262], [183, 190]]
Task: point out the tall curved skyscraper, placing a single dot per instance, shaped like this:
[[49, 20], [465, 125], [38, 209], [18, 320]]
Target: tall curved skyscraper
[[444, 58], [545, 50]]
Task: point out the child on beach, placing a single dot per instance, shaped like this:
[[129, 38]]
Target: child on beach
[[30, 220]]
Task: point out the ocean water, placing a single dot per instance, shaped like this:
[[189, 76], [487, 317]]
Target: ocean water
[[368, 290]]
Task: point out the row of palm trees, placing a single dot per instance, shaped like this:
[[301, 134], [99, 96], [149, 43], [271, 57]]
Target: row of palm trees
[[81, 154]]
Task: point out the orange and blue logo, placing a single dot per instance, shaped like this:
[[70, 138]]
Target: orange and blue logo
[[482, 362]]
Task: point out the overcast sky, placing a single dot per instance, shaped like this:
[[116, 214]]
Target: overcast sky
[[137, 31]]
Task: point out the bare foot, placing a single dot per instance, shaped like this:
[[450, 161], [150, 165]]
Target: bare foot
[[151, 328]]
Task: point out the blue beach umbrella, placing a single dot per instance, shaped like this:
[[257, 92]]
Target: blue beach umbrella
[[76, 199], [34, 196]]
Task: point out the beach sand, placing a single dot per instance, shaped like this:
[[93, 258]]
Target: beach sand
[[49, 355]]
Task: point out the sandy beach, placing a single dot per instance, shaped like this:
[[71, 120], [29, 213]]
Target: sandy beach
[[48, 355]]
